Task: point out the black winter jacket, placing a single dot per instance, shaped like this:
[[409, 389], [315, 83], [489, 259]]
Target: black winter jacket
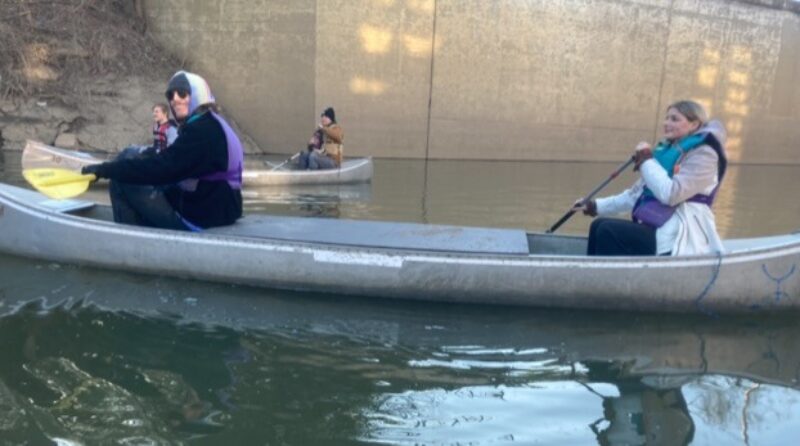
[[200, 149]]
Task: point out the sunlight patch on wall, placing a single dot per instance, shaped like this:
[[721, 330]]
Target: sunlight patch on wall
[[736, 95], [712, 55], [707, 74], [736, 99], [734, 126], [735, 108], [375, 40], [420, 6], [417, 46], [735, 105], [739, 78], [359, 85]]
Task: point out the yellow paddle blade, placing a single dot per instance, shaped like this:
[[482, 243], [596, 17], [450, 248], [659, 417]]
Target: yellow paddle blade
[[58, 183]]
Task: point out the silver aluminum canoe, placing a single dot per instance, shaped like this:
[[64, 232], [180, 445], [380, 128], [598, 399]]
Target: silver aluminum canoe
[[408, 261], [353, 170]]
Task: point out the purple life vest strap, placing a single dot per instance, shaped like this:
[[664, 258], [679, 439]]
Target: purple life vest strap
[[650, 211], [235, 157]]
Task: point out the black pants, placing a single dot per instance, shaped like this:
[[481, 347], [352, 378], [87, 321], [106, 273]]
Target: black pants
[[142, 205], [615, 237]]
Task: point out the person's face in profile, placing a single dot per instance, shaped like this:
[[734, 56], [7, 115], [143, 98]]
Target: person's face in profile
[[159, 116], [676, 125], [325, 121]]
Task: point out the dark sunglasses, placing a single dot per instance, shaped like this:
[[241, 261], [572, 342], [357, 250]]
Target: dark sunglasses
[[181, 93]]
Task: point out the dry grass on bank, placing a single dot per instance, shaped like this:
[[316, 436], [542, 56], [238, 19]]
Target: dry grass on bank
[[51, 48]]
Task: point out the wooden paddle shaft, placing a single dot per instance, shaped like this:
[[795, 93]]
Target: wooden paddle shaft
[[284, 163]]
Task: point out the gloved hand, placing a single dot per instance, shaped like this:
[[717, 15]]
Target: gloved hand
[[643, 153], [92, 169], [588, 207]]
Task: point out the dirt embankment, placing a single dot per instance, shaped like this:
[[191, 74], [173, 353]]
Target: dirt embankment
[[80, 74]]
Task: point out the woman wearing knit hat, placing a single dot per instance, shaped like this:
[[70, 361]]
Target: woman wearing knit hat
[[196, 183], [325, 150]]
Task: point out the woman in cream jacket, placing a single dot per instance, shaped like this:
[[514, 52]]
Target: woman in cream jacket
[[671, 201]]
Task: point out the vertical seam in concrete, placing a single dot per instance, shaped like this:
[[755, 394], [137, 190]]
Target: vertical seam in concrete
[[316, 57], [663, 70], [428, 130], [430, 85]]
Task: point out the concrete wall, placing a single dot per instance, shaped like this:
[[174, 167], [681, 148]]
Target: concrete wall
[[495, 79], [258, 56]]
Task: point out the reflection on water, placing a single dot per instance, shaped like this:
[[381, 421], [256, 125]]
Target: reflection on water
[[310, 201], [103, 357]]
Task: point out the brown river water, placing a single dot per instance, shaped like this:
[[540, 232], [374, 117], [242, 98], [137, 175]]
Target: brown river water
[[89, 356]]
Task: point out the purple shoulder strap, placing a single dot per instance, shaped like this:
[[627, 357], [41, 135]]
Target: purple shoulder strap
[[235, 157]]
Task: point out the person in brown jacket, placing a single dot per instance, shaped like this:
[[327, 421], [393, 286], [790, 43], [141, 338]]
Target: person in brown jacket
[[325, 150]]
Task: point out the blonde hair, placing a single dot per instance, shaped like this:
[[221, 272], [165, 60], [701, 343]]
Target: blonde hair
[[692, 110]]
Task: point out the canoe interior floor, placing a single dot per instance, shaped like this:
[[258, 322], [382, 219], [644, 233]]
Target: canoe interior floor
[[550, 244], [363, 233]]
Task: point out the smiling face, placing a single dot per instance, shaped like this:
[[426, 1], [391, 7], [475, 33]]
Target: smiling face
[[676, 125], [179, 101]]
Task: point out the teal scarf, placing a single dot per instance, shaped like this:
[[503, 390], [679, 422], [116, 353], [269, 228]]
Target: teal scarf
[[668, 155]]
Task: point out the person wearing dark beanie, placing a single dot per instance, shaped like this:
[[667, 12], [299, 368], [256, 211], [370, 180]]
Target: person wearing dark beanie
[[330, 114], [325, 150]]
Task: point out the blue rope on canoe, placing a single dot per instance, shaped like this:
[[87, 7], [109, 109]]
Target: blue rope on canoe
[[699, 301]]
